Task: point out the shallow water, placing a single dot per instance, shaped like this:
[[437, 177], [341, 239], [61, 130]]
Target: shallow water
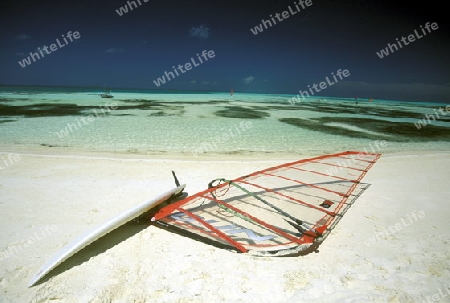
[[215, 123]]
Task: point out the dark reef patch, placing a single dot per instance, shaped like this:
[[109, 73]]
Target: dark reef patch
[[42, 110], [174, 112], [53, 110], [387, 130], [346, 108], [48, 145], [215, 102], [368, 110], [5, 121], [160, 114], [241, 113], [172, 103], [350, 108], [14, 99]]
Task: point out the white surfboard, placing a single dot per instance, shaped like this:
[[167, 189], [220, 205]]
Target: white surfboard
[[101, 230]]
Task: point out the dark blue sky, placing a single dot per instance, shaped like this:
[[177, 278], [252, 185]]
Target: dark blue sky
[[133, 50]]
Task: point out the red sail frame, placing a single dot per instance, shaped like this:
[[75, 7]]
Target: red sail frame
[[277, 211]]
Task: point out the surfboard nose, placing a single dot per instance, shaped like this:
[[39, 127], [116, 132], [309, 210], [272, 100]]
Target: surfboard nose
[[35, 279]]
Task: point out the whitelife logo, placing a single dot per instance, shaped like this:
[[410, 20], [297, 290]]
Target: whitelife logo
[[323, 85], [392, 229], [280, 17], [10, 160], [188, 66], [411, 38], [223, 137], [124, 9], [422, 123], [71, 127], [349, 162], [53, 47]]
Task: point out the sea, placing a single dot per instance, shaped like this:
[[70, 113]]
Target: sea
[[201, 123]]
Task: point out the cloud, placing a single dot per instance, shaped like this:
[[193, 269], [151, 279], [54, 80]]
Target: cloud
[[22, 37], [202, 32], [193, 81], [205, 82], [21, 54], [248, 80], [113, 50]]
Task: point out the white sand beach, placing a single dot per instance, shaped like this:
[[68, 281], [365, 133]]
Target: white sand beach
[[391, 246]]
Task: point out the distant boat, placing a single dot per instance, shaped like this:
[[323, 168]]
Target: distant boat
[[107, 95]]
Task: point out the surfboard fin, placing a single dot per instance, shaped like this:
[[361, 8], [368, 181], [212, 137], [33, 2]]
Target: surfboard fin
[[177, 183], [181, 195]]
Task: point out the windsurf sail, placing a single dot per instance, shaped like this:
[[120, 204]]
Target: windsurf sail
[[282, 210]]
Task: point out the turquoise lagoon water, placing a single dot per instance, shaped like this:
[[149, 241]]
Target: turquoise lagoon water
[[209, 123]]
